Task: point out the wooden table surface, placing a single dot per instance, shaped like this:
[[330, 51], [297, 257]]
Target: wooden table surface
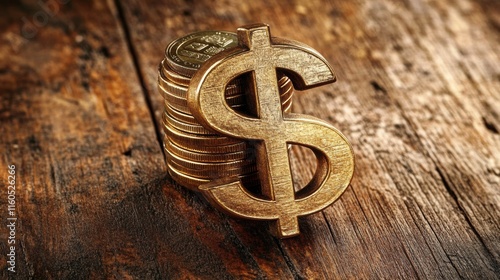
[[418, 95]]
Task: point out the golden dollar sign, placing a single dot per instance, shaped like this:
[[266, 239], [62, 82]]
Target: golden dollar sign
[[261, 55]]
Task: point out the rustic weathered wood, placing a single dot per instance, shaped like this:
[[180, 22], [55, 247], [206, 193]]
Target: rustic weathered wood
[[418, 96]]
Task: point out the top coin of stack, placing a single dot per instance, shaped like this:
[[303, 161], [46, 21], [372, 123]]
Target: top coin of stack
[[195, 154]]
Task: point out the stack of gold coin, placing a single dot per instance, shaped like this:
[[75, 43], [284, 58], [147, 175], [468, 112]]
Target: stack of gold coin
[[195, 154]]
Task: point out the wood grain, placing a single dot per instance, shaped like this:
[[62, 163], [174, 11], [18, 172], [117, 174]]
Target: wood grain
[[418, 96]]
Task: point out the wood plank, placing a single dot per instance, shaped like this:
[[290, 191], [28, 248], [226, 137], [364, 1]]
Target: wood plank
[[93, 198], [416, 209], [418, 96]]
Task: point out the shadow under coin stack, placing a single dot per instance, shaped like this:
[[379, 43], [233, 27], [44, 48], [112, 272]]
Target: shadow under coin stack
[[195, 154]]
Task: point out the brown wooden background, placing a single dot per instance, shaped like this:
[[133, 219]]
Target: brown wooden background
[[418, 95]]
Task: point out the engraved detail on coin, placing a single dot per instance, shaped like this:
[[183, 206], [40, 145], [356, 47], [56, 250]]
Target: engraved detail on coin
[[188, 53]]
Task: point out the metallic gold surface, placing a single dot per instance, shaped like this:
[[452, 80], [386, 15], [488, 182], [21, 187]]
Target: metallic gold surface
[[196, 139], [210, 174], [175, 96], [185, 55], [271, 129], [186, 127], [206, 157], [244, 165], [235, 87], [189, 181], [180, 116], [166, 70]]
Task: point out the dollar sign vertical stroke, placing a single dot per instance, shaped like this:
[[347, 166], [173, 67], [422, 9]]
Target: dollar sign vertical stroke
[[262, 55]]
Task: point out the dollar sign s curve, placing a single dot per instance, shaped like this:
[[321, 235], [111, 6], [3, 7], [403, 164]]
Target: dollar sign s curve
[[261, 55]]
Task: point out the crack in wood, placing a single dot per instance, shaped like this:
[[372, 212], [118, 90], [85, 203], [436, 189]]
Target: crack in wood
[[135, 59], [295, 273], [490, 126], [449, 189]]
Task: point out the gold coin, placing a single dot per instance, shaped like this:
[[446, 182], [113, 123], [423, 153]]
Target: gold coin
[[180, 116], [221, 149], [235, 87], [286, 94], [244, 166], [288, 100], [186, 180], [171, 75], [174, 99], [167, 73], [207, 173], [288, 108], [177, 104], [186, 54], [172, 87], [195, 154], [182, 138], [189, 128], [180, 104], [206, 157], [250, 180], [284, 81], [173, 96]]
